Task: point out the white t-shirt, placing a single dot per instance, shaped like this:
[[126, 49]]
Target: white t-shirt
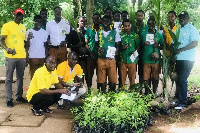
[[57, 31], [117, 26], [105, 33], [37, 49]]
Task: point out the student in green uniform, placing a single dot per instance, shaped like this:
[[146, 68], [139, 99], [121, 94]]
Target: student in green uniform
[[128, 53], [140, 27], [152, 41], [107, 41], [90, 45]]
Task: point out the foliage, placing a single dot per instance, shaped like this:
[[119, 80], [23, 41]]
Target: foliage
[[2, 58], [113, 111]]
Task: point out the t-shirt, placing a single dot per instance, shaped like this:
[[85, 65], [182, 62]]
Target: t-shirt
[[188, 34], [57, 31], [149, 49], [42, 79], [37, 49], [65, 72], [132, 40], [15, 39]]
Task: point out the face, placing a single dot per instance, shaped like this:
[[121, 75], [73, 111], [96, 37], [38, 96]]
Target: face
[[117, 17], [139, 17], [171, 17], [151, 24], [57, 13], [124, 16], [106, 22], [108, 12], [51, 63], [96, 19], [81, 22], [127, 26], [18, 17], [73, 59], [183, 20], [44, 14], [38, 23]]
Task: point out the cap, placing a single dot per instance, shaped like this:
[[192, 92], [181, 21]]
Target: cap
[[183, 13], [18, 10]]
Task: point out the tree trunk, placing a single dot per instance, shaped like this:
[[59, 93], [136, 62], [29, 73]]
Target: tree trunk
[[139, 3], [89, 12], [78, 2], [133, 2]]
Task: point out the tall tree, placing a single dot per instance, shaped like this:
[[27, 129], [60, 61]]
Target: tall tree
[[89, 12]]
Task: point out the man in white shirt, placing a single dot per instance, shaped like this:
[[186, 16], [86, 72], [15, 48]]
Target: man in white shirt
[[35, 39], [57, 30]]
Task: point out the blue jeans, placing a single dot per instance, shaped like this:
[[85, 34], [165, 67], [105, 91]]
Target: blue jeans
[[183, 69]]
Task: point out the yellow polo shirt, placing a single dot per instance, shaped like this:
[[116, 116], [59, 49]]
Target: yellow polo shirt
[[168, 36], [42, 79], [15, 39], [67, 75]]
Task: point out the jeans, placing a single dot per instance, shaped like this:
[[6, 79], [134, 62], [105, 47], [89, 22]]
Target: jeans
[[183, 69], [11, 64]]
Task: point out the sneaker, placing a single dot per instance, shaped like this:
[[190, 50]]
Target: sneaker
[[180, 106], [60, 106], [10, 104], [47, 110], [21, 99], [36, 112]]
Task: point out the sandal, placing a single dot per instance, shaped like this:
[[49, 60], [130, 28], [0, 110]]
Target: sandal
[[47, 110], [36, 112]]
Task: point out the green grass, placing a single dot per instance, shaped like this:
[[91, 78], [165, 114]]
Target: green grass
[[2, 57]]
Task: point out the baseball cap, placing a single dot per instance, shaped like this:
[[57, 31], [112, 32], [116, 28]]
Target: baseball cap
[[183, 13], [18, 10]]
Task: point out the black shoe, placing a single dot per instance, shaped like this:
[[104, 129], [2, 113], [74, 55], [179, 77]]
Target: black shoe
[[36, 112], [21, 99], [60, 106], [47, 110], [10, 104]]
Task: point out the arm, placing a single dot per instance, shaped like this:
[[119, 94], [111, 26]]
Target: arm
[[192, 45], [50, 92], [3, 44]]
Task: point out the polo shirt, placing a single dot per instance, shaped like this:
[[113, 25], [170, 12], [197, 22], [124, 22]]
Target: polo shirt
[[187, 35], [148, 50], [132, 40], [57, 31], [37, 49], [65, 72], [42, 79], [15, 39]]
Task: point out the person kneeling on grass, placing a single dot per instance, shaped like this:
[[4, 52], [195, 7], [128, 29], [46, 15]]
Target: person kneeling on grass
[[70, 75], [39, 94]]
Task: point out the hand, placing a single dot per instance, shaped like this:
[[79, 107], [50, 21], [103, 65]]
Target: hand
[[146, 43], [92, 55], [110, 58], [100, 50], [177, 51], [156, 45], [9, 50], [125, 47], [30, 36], [76, 84], [64, 91]]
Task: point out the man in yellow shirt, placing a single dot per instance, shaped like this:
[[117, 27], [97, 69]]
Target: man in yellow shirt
[[39, 94], [70, 74], [12, 40]]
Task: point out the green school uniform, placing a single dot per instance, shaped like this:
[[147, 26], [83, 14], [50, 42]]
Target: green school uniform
[[148, 50], [132, 40], [104, 42]]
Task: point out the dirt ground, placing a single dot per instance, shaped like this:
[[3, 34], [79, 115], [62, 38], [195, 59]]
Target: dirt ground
[[20, 119]]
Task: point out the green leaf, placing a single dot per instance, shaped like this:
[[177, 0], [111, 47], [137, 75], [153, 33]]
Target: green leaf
[[156, 3]]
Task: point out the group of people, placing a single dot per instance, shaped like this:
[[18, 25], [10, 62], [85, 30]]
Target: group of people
[[111, 45]]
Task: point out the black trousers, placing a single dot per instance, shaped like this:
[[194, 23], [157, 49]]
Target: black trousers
[[40, 101]]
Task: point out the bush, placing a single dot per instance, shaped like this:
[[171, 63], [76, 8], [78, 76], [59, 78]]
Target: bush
[[112, 112]]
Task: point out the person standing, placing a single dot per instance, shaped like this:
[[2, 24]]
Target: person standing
[[128, 53], [12, 40], [57, 30], [39, 93], [90, 45], [44, 14], [35, 41], [188, 38]]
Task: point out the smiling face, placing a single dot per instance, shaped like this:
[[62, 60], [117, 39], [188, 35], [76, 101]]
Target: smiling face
[[72, 60], [171, 17], [18, 18], [183, 20], [50, 63], [127, 27], [81, 22], [140, 17], [38, 23]]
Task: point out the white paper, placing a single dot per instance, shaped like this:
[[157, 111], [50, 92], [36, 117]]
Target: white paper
[[71, 97], [134, 56], [150, 38], [111, 52]]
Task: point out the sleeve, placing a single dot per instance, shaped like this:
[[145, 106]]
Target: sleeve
[[4, 30], [117, 37], [96, 37], [48, 28], [60, 70], [27, 32], [86, 34], [161, 41], [45, 36], [79, 71], [194, 34], [68, 28]]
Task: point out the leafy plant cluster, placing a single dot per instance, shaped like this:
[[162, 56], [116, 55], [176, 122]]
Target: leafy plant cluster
[[113, 112]]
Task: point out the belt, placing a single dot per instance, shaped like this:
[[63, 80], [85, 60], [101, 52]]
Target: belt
[[58, 46]]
